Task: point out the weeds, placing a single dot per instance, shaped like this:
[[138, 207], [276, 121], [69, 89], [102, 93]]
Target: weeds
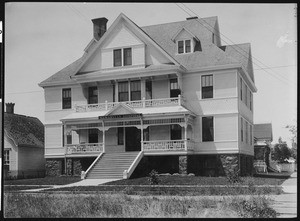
[[153, 177]]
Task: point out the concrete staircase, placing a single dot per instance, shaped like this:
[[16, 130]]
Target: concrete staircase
[[112, 165]]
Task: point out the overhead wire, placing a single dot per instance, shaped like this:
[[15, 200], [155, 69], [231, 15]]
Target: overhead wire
[[284, 80]]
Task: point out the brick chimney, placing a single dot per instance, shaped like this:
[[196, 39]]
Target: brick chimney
[[10, 108], [99, 27]]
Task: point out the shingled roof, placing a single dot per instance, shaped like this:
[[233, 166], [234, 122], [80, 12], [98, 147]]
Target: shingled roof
[[263, 131], [24, 130], [211, 54]]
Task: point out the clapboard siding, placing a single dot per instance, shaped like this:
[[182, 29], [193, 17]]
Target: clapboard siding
[[53, 136], [226, 127], [9, 145], [160, 89]]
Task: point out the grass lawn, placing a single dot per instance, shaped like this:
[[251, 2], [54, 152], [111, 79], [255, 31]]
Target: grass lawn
[[197, 180], [62, 180], [21, 187]]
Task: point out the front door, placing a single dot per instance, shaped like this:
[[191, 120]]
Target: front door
[[132, 139]]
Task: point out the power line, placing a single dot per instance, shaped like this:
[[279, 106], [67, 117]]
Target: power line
[[284, 80], [78, 13]]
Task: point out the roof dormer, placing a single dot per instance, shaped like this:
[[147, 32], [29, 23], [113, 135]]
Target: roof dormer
[[186, 42]]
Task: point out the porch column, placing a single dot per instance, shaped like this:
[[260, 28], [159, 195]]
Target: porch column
[[103, 136], [185, 133], [142, 136], [117, 91]]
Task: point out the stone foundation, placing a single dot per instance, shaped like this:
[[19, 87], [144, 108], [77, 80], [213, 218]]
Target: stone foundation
[[54, 167], [183, 164]]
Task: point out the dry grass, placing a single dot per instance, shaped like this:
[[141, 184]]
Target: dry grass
[[20, 205]]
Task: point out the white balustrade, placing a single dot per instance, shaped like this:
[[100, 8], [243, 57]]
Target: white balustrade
[[167, 145], [84, 148], [164, 102]]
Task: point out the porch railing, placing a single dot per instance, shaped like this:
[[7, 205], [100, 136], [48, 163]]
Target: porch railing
[[168, 145], [84, 148], [163, 102]]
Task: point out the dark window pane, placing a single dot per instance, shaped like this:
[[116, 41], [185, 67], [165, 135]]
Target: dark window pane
[[148, 90], [127, 56], [174, 88], [120, 136], [135, 87], [123, 96], [123, 86], [93, 135], [175, 132], [180, 47], [69, 139], [66, 98], [117, 58], [207, 129], [187, 46], [93, 95], [207, 86], [207, 92]]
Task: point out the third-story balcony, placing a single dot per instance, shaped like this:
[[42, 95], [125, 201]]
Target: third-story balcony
[[163, 102]]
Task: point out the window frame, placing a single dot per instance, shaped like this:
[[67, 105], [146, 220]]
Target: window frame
[[120, 135], [182, 46], [6, 160], [91, 97], [132, 91], [123, 92], [117, 61], [210, 87], [66, 101], [242, 130], [174, 88], [127, 60], [121, 58], [93, 131], [212, 132]]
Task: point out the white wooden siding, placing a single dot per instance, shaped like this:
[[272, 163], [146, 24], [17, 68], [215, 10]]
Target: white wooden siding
[[216, 147], [105, 93], [160, 89], [226, 127], [53, 136], [8, 145], [155, 57], [225, 85]]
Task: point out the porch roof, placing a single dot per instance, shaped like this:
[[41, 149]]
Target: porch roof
[[151, 111]]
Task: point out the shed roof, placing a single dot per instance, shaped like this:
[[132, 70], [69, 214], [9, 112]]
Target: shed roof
[[24, 130]]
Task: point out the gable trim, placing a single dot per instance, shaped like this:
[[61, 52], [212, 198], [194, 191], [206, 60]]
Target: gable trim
[[121, 105], [178, 32]]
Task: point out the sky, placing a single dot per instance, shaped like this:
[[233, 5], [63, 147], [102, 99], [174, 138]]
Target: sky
[[43, 38]]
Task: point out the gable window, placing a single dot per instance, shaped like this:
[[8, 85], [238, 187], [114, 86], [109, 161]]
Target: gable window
[[135, 90], [66, 98], [127, 56], [117, 57], [184, 46], [93, 95], [6, 157], [122, 57], [207, 86], [174, 88], [93, 135], [148, 85], [123, 91], [207, 129]]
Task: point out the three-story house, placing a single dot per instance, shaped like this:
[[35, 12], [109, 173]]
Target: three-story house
[[168, 97]]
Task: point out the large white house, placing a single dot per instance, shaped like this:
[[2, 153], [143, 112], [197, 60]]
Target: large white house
[[167, 97]]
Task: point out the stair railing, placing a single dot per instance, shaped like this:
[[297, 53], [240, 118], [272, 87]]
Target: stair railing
[[83, 174], [127, 173]]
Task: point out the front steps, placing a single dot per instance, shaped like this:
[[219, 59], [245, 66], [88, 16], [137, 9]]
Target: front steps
[[112, 165]]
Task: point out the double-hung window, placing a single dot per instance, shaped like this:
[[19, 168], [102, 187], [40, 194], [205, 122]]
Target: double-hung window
[[246, 125], [207, 86], [93, 95], [123, 91], [174, 88], [66, 98], [207, 129], [148, 86], [241, 88], [242, 130], [135, 90], [122, 57]]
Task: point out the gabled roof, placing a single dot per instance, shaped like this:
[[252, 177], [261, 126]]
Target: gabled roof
[[24, 130], [162, 36], [263, 131], [121, 109]]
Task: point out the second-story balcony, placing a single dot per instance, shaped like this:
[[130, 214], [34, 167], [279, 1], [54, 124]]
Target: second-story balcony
[[162, 102]]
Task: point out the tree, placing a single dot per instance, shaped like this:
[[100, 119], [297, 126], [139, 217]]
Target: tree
[[280, 152], [293, 130]]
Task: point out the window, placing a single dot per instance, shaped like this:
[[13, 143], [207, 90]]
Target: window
[[207, 86], [93, 135], [127, 56], [120, 136], [123, 91], [93, 95], [241, 85], [207, 129], [117, 58], [213, 38], [246, 95], [180, 47], [184, 46], [122, 58], [251, 138], [66, 98], [246, 125], [135, 90], [146, 134], [187, 46], [242, 130], [69, 138], [175, 132], [6, 157], [251, 100], [174, 88], [148, 90]]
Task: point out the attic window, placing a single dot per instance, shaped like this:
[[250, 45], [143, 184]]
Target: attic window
[[184, 46]]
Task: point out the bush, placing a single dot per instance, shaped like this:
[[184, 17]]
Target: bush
[[254, 209], [153, 177], [233, 176]]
